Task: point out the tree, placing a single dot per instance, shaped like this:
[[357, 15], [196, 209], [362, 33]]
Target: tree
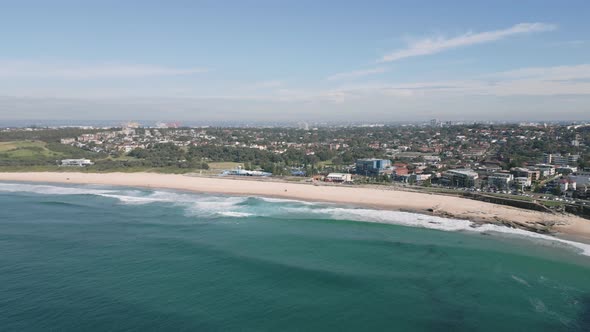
[[557, 190]]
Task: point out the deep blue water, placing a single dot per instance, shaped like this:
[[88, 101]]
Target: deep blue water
[[90, 258]]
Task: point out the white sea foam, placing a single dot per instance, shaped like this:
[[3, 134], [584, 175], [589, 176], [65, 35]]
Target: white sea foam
[[136, 198], [520, 280], [49, 189], [385, 217], [233, 206], [284, 200], [433, 222], [582, 247], [218, 203], [173, 197], [132, 200], [194, 204], [212, 206], [235, 214]]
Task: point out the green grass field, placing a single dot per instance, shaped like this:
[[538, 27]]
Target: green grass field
[[8, 146], [91, 169], [551, 203], [26, 150], [38, 156], [216, 168], [224, 165]]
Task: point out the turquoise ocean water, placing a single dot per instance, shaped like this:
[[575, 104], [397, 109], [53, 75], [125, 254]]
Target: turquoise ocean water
[[95, 258]]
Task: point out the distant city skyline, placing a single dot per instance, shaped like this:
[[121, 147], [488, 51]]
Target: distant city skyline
[[292, 61]]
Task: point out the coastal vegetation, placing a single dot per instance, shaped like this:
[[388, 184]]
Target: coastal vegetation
[[35, 153], [280, 150]]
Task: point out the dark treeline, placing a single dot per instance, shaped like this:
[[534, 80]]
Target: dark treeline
[[167, 154], [291, 157], [73, 152], [45, 135], [160, 153]]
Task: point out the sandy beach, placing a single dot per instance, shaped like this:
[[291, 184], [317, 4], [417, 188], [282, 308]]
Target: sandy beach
[[446, 206]]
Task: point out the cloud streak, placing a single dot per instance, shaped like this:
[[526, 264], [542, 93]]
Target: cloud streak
[[37, 69], [533, 81], [436, 45], [565, 80], [356, 74], [556, 73]]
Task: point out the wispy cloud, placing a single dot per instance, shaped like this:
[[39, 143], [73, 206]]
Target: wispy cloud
[[555, 73], [440, 44], [356, 74], [566, 80], [532, 81], [39, 69], [266, 84]]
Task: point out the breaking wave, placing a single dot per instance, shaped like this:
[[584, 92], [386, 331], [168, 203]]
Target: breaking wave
[[200, 205], [236, 214], [49, 189]]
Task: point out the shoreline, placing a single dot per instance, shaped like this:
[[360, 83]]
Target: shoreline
[[561, 225]]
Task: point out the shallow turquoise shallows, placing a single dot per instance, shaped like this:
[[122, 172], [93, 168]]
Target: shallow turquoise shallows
[[90, 258]]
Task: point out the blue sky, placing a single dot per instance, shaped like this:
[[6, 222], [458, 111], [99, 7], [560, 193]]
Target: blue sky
[[295, 60]]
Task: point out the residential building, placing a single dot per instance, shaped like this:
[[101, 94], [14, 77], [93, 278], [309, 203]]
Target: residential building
[[572, 159], [401, 170], [545, 169], [405, 178], [431, 159], [530, 174], [338, 177], [76, 162], [372, 167], [548, 158], [67, 141], [566, 169], [522, 182], [501, 181], [559, 159], [489, 169], [566, 184], [419, 178], [242, 172], [463, 177]]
